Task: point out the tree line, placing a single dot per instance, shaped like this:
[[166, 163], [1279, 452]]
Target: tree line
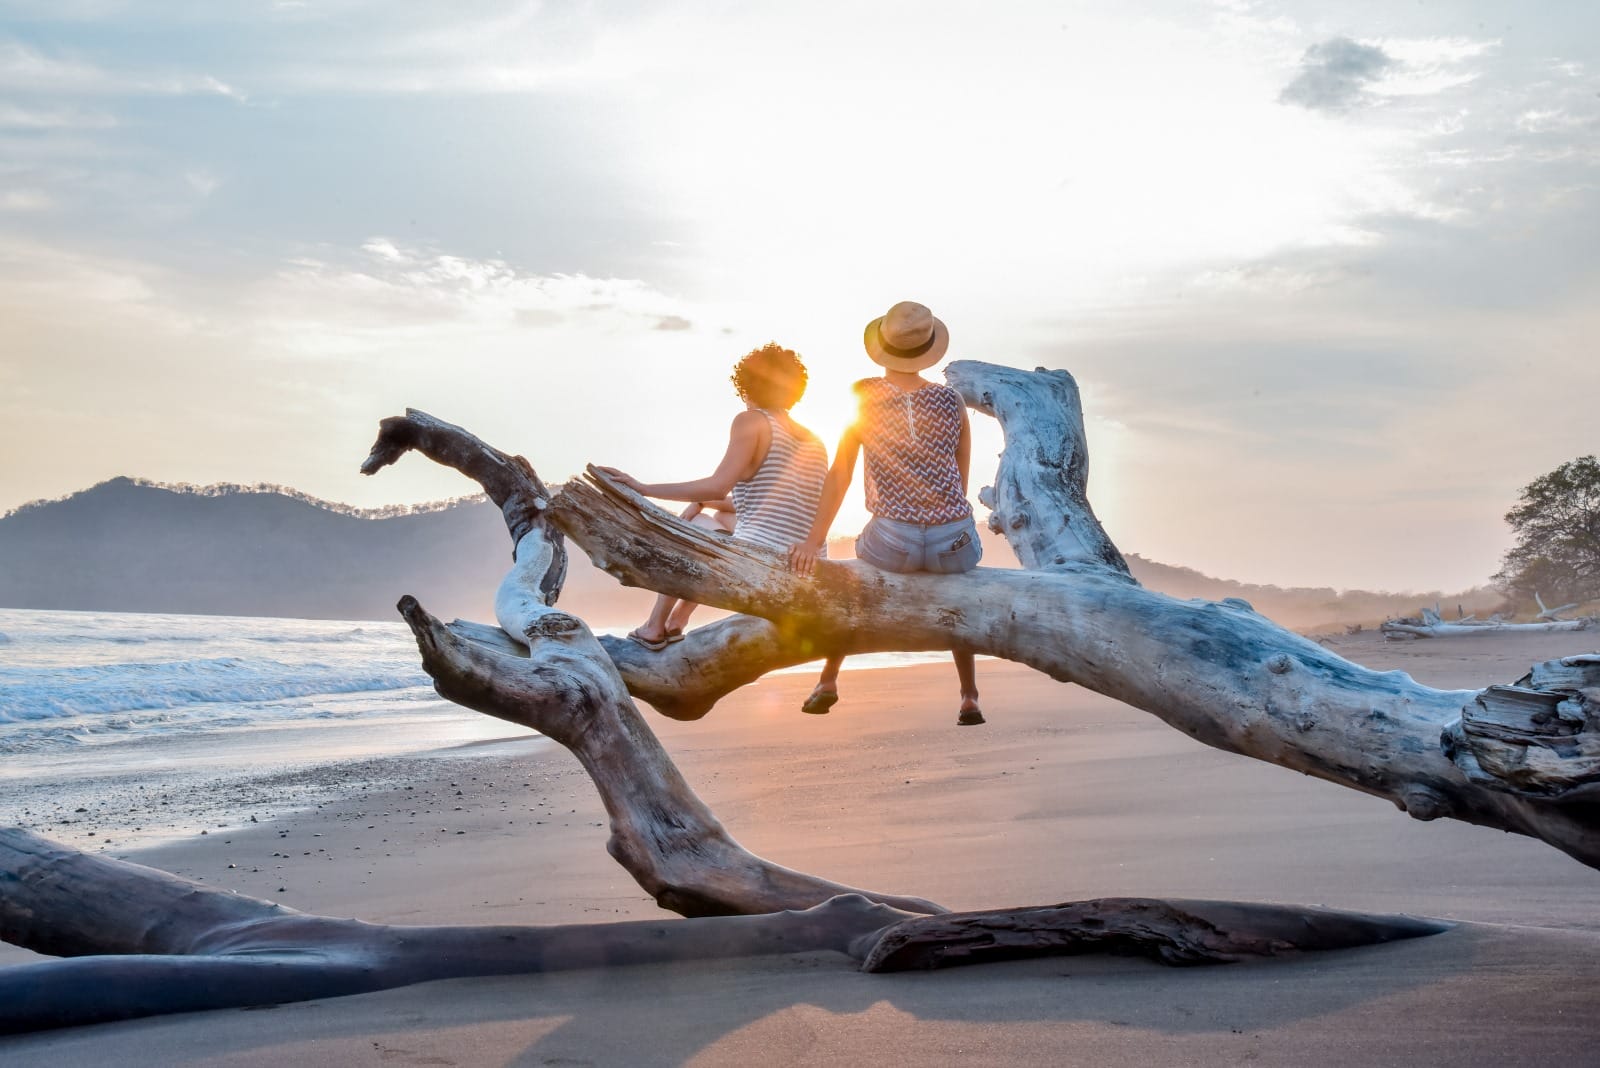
[[1557, 527]]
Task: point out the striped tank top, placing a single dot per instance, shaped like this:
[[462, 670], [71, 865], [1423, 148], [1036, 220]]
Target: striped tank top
[[776, 505], [910, 440]]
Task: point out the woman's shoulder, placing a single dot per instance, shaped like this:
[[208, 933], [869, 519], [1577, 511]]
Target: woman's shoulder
[[868, 386], [752, 424]]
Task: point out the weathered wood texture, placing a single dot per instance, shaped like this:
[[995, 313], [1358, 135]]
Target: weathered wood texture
[[1172, 932], [1399, 628], [566, 688], [140, 942], [1540, 737], [510, 481], [1552, 613], [1039, 499]]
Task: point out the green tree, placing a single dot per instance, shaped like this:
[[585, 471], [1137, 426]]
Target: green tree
[[1557, 525]]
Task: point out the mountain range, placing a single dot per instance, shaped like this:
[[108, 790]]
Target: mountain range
[[129, 545]]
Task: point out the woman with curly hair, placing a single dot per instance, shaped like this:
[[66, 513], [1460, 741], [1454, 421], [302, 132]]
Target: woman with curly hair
[[767, 487]]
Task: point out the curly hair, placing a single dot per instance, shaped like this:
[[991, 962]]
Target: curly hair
[[770, 377]]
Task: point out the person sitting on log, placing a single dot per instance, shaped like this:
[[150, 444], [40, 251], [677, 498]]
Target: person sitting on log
[[767, 487], [918, 446]]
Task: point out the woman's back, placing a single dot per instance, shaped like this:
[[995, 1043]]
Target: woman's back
[[775, 506], [910, 440]]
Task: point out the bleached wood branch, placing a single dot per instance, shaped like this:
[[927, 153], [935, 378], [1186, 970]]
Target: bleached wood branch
[[1551, 613], [1039, 499], [1396, 627], [1539, 737], [1228, 676], [566, 688]]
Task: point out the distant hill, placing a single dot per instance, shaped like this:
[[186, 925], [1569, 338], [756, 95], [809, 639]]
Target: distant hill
[[133, 546], [1309, 608]]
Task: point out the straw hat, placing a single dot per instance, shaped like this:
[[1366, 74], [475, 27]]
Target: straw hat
[[908, 338]]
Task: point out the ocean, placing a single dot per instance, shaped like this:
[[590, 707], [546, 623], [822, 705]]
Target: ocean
[[126, 729], [144, 727]]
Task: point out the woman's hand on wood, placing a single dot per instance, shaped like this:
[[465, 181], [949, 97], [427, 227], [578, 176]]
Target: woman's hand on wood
[[803, 556], [622, 478]]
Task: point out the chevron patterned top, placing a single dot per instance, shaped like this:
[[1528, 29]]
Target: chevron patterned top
[[910, 440]]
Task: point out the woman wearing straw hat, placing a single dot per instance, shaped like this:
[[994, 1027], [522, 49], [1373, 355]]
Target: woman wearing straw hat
[[918, 448]]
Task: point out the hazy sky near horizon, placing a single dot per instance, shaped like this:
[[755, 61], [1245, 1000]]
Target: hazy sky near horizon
[[1325, 272]]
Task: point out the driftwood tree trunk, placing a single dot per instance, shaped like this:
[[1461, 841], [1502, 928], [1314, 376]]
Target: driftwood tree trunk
[[1429, 625], [1215, 670], [140, 942], [1461, 628], [1522, 758]]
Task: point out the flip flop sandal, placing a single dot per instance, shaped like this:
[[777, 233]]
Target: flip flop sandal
[[673, 636], [655, 645], [819, 702], [970, 717]]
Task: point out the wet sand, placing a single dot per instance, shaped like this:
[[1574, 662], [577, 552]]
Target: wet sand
[[1063, 795]]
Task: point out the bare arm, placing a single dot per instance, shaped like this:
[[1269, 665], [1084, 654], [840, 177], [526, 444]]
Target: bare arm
[[744, 455], [803, 556]]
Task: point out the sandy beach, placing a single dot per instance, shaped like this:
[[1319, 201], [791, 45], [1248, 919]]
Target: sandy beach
[[1063, 795]]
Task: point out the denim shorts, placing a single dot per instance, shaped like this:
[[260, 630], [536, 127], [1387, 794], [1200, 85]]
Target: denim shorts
[[942, 548]]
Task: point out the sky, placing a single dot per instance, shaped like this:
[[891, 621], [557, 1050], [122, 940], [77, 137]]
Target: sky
[[1324, 271]]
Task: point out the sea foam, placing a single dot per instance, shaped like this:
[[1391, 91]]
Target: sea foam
[[70, 678]]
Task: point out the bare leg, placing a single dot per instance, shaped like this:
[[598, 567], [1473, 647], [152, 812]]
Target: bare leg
[[826, 692], [678, 618], [828, 681], [967, 672], [654, 628], [669, 613]]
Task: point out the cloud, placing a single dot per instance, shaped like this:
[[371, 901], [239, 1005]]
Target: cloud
[[1334, 74], [536, 318], [28, 70], [389, 286], [327, 346], [24, 200], [203, 182], [1554, 120], [208, 84], [17, 117]]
